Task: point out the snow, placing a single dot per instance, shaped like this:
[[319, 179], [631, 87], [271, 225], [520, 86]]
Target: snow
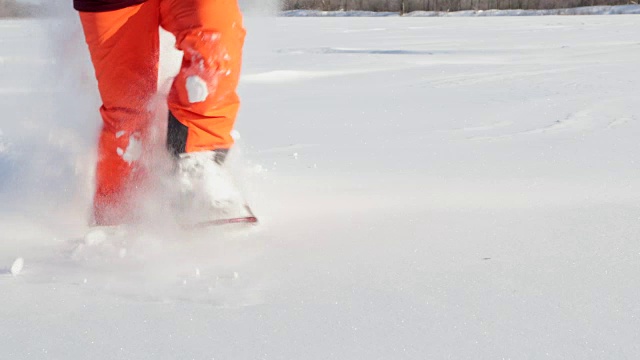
[[133, 152], [196, 89], [428, 188], [17, 266]]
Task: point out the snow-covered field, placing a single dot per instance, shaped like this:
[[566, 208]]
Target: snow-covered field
[[429, 188]]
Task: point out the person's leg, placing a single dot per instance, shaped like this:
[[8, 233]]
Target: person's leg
[[124, 50], [203, 103]]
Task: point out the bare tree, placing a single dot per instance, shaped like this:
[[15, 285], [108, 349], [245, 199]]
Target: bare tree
[[434, 5], [12, 8]]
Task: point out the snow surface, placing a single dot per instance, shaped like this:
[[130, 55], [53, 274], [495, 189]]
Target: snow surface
[[429, 188]]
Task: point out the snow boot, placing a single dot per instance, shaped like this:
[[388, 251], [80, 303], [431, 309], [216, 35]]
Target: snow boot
[[207, 192]]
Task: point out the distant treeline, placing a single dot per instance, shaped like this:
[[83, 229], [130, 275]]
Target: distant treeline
[[13, 8], [443, 5]]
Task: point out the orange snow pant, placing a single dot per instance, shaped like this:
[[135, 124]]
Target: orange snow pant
[[124, 48]]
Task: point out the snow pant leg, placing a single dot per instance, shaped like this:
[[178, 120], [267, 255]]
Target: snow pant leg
[[124, 48], [203, 102]]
